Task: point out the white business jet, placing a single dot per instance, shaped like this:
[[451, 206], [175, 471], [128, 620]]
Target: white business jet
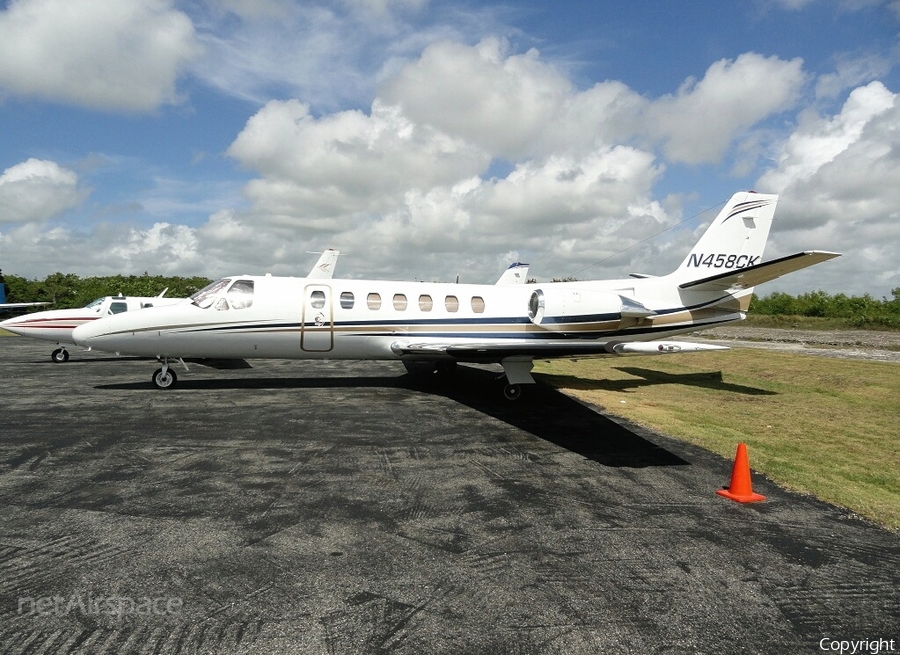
[[439, 324], [57, 325]]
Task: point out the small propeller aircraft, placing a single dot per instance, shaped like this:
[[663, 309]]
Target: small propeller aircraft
[[57, 325], [435, 325]]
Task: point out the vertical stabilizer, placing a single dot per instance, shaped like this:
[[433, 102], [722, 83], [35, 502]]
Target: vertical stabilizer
[[736, 239], [324, 268]]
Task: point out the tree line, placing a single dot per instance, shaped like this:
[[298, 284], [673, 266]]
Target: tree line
[[69, 290], [859, 311], [65, 290]]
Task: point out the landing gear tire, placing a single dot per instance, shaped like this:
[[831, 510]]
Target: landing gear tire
[[164, 378], [59, 356], [512, 391]]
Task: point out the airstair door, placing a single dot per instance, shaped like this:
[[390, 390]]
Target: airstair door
[[317, 322]]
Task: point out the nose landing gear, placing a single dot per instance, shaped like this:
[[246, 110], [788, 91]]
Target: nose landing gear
[[59, 356], [164, 378]]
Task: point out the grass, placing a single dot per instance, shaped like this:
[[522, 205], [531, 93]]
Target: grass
[[816, 425]]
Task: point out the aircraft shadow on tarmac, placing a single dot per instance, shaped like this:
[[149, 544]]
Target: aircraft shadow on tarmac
[[647, 378], [542, 411]]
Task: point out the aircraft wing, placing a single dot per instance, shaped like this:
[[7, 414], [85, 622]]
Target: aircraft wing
[[750, 276], [19, 305], [492, 352]]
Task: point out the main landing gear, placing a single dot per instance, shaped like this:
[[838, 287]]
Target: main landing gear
[[59, 356], [518, 372], [512, 391]]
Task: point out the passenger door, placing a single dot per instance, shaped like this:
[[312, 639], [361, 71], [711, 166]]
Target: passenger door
[[317, 322]]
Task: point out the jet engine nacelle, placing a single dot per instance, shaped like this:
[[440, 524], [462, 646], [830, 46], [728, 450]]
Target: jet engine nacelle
[[549, 307]]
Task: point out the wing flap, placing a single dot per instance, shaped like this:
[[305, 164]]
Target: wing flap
[[751, 276]]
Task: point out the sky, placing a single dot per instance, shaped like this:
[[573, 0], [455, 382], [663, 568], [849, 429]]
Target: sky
[[445, 139]]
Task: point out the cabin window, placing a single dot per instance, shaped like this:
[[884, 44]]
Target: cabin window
[[425, 303], [478, 304], [118, 307], [240, 295], [317, 299], [347, 300], [373, 300], [451, 303], [399, 302]]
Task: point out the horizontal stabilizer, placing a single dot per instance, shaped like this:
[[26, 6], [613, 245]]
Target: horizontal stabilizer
[[744, 278]]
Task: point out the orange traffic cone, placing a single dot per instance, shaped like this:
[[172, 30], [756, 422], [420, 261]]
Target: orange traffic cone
[[741, 489]]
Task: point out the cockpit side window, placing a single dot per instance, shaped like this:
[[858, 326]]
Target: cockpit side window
[[240, 295], [207, 295], [118, 307]]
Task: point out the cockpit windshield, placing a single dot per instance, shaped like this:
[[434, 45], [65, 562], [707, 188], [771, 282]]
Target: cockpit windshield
[[239, 295], [95, 304], [205, 297]]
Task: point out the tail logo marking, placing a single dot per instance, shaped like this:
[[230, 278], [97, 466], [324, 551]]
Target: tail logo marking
[[740, 208]]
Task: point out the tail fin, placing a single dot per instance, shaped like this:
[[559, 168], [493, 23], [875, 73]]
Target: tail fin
[[324, 268], [736, 239]]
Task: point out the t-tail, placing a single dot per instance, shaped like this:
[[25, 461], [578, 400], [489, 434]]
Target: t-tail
[[735, 240], [728, 257]]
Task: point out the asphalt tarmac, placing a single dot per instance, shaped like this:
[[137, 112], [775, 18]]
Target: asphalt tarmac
[[335, 507]]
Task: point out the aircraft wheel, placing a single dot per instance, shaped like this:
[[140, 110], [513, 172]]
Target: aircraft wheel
[[512, 391], [164, 379], [60, 355]]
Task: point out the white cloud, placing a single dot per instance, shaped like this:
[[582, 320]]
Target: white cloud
[[818, 141], [104, 54], [851, 72], [412, 176], [36, 190], [347, 162], [837, 177], [698, 123], [498, 101], [330, 54]]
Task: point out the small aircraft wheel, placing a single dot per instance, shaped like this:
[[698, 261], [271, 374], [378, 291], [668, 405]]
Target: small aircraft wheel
[[164, 380], [512, 391], [60, 355]]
